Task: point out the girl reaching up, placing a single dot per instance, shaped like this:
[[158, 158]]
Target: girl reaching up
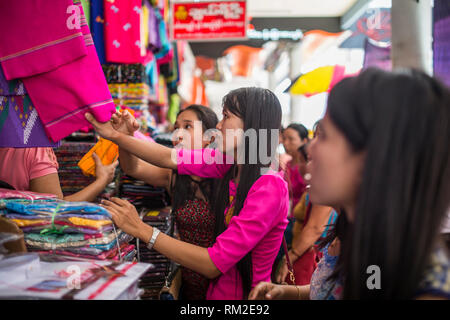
[[251, 198]]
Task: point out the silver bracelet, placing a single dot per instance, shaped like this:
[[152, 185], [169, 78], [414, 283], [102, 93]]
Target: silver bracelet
[[153, 238]]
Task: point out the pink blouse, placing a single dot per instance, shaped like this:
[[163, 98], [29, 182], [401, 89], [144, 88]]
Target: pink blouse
[[18, 166], [258, 228], [297, 183]]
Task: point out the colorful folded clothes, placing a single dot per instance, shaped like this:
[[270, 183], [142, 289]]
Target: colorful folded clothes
[[156, 277], [75, 229], [53, 241], [71, 177], [52, 277], [113, 254], [28, 195], [141, 194], [125, 73]]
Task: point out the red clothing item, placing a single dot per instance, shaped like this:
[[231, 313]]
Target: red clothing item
[[195, 223], [18, 166], [296, 183], [306, 264]]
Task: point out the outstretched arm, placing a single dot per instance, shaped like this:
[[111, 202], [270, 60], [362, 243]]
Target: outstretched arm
[[193, 257], [139, 169], [50, 183], [153, 153]]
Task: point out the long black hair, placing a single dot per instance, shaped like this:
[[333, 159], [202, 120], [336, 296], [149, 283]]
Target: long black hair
[[259, 109], [301, 130], [183, 187], [402, 121]]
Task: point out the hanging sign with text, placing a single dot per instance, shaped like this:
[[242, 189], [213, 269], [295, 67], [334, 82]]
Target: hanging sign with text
[[208, 20]]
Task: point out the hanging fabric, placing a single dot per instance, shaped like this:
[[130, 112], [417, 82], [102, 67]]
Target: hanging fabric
[[97, 25], [122, 31], [38, 36]]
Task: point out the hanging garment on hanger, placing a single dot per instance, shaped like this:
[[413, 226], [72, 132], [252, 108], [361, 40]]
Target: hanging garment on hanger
[[62, 96]]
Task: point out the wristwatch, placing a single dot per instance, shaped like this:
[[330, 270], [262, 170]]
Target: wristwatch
[[153, 238]]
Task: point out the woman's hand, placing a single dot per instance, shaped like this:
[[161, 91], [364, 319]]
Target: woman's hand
[[124, 122], [106, 130], [103, 173], [283, 271], [267, 291], [124, 215]]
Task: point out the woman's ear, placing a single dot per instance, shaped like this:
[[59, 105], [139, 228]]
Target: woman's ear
[[207, 143]]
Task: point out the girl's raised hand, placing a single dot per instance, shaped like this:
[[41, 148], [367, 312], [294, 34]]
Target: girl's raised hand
[[106, 129]]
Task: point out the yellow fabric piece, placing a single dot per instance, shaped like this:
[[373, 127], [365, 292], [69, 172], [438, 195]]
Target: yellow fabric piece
[[89, 223], [230, 211], [74, 220], [145, 15], [299, 214], [153, 213], [26, 223], [107, 151], [313, 82]]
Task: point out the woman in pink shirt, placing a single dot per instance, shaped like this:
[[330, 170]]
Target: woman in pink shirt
[[36, 169], [253, 198]]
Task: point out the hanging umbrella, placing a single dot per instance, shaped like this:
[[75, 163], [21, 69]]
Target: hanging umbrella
[[317, 81]]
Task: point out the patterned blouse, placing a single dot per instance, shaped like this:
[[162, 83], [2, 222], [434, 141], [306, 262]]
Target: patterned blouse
[[436, 281], [195, 223]]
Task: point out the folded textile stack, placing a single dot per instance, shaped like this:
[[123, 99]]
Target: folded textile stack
[[71, 178], [76, 229], [129, 87], [132, 95], [33, 276], [125, 73], [153, 280], [141, 194]]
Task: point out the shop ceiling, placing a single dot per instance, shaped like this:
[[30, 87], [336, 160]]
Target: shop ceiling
[[328, 15], [299, 8]]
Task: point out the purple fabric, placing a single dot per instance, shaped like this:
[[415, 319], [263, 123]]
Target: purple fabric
[[153, 35], [69, 229], [62, 96], [11, 88], [376, 56], [20, 125], [441, 44]]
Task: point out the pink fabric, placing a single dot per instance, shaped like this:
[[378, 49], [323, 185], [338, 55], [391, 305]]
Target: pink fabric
[[64, 95], [140, 135], [258, 228], [165, 59], [338, 75], [296, 181], [122, 31], [13, 194], [18, 166], [204, 163], [36, 37]]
